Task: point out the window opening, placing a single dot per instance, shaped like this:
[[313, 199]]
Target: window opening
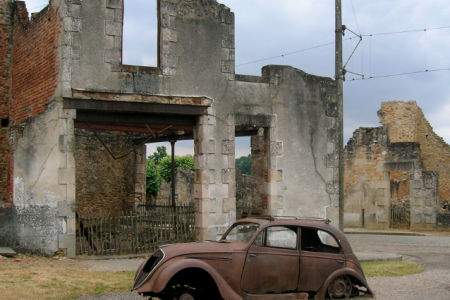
[[278, 237], [316, 240], [140, 33]]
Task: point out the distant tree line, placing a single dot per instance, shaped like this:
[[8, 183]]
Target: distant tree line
[[159, 166]]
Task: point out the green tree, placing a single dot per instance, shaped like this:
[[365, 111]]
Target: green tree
[[152, 183], [161, 152], [244, 165], [182, 162]]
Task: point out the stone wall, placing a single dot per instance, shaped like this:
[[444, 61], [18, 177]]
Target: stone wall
[[384, 167], [407, 123], [105, 184], [68, 71]]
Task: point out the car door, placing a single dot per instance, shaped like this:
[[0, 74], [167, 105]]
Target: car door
[[272, 262], [320, 255]]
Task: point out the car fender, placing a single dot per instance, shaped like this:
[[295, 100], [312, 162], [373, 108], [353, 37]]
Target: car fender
[[341, 272], [167, 270]]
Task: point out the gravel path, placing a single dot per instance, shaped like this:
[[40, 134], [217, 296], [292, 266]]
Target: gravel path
[[431, 252]]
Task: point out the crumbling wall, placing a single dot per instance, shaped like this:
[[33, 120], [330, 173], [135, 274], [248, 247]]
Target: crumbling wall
[[5, 81], [364, 180], [35, 61], [42, 216], [184, 188], [384, 167], [104, 184], [407, 123], [80, 53]]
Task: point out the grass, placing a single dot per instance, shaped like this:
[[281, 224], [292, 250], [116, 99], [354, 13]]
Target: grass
[[51, 283], [390, 268], [59, 283]]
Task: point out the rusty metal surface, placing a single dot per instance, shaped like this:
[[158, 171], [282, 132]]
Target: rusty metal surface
[[254, 270]]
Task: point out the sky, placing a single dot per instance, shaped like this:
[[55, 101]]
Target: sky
[[283, 29]]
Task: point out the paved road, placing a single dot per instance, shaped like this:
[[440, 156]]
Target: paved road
[[431, 252]]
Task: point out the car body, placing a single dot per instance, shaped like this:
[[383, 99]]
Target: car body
[[258, 258]]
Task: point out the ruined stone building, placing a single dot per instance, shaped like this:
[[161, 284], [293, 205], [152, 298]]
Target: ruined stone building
[[402, 162], [66, 101]]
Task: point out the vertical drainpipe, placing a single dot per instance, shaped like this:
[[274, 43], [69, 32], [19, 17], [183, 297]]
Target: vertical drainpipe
[[340, 100], [172, 144]]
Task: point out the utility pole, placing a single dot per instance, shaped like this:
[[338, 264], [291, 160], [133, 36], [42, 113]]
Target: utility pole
[[339, 76]]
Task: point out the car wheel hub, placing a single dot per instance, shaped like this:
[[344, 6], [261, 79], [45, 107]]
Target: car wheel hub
[[186, 297], [340, 288]]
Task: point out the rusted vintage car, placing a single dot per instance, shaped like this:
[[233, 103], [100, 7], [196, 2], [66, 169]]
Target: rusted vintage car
[[258, 258]]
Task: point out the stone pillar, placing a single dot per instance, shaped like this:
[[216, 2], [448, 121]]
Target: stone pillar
[[274, 176], [259, 173], [66, 176], [139, 185], [204, 177]]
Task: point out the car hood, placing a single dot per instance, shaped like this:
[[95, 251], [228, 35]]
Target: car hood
[[203, 248]]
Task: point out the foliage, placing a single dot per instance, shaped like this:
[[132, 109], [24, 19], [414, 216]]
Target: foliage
[[161, 152], [244, 164], [390, 268], [182, 162], [152, 178]]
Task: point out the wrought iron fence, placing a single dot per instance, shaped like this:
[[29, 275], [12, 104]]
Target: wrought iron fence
[[400, 215], [133, 232]]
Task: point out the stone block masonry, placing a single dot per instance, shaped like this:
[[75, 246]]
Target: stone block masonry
[[407, 123], [404, 162]]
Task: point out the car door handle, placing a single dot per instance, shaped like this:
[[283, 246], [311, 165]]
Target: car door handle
[[253, 255], [340, 261]]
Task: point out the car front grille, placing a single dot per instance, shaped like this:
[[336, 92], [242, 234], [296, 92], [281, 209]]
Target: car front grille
[[150, 265]]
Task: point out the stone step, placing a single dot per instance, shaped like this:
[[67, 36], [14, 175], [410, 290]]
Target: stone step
[[8, 252]]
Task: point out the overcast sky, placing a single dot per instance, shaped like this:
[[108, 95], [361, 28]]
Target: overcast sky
[[268, 28]]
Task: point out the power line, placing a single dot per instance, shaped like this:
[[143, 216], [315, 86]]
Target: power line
[[372, 34], [400, 74], [406, 31], [282, 55]]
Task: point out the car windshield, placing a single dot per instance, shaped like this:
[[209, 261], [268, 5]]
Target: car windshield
[[241, 232]]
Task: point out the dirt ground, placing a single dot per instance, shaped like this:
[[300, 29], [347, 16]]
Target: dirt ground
[[28, 260]]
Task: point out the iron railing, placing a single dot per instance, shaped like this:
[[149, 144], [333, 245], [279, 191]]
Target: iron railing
[[133, 232], [400, 215]]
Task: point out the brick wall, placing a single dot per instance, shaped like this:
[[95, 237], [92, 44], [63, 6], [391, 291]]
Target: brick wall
[[103, 183], [35, 62], [5, 62], [407, 123]]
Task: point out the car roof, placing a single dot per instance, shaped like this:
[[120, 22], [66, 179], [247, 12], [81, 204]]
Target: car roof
[[323, 224]]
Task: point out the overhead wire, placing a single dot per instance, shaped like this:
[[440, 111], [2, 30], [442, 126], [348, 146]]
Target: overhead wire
[[318, 46], [400, 74]]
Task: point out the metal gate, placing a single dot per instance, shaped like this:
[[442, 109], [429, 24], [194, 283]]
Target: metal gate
[[400, 216]]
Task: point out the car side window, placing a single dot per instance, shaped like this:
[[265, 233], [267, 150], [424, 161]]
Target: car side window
[[316, 240], [278, 237]]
